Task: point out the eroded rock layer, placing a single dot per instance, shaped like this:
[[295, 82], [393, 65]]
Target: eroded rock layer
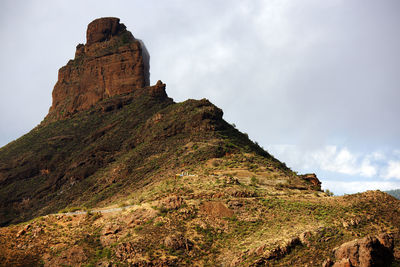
[[112, 62]]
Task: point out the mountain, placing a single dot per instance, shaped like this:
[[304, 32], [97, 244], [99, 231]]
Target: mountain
[[395, 193], [119, 174], [109, 132]]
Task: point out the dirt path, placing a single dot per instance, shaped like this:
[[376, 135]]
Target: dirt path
[[109, 210]]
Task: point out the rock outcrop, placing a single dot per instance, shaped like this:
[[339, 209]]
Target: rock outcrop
[[112, 62], [312, 179], [103, 29], [366, 252]]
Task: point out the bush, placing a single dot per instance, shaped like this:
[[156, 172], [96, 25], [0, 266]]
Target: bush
[[254, 180], [329, 192]]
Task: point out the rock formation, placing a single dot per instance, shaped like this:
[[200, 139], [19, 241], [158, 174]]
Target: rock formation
[[366, 252], [313, 180], [112, 62]]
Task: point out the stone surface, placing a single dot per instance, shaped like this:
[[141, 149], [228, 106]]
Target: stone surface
[[215, 209], [282, 250], [111, 229], [171, 203], [177, 241], [327, 263], [305, 238], [112, 62], [74, 256], [313, 180], [366, 252], [342, 263], [23, 230], [103, 29]]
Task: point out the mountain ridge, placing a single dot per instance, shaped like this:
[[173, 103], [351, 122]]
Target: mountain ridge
[[394, 192]]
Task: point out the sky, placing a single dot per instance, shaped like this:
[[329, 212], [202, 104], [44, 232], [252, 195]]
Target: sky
[[316, 83]]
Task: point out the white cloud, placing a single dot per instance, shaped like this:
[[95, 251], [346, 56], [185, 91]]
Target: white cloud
[[329, 158], [334, 160], [344, 187], [342, 170], [392, 170], [366, 169]]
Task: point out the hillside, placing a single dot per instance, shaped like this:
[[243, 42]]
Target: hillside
[[118, 174]]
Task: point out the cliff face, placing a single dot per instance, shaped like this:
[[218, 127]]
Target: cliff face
[[112, 62]]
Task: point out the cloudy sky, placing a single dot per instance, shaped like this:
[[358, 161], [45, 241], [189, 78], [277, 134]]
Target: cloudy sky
[[316, 83]]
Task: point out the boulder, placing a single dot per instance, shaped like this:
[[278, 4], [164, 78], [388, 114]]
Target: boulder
[[177, 241], [366, 252], [171, 203], [312, 179], [327, 263], [111, 229], [305, 238], [215, 210], [23, 230], [342, 263]]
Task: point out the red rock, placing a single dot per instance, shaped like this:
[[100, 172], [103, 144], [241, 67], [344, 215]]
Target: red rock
[[368, 251], [111, 229], [177, 241], [305, 238], [260, 250], [73, 256], [342, 263], [171, 203], [112, 62], [327, 263], [20, 232], [216, 210], [282, 250], [103, 29], [23, 230], [313, 180]]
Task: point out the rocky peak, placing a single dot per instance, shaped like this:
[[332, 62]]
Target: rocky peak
[[103, 29], [112, 62]]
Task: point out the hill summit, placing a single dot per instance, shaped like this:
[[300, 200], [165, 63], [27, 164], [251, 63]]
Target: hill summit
[[118, 174]]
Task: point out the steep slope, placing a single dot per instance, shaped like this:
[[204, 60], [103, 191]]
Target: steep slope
[[112, 148], [119, 174]]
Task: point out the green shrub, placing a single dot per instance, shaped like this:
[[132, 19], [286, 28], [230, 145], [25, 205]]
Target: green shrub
[[329, 192], [254, 180]]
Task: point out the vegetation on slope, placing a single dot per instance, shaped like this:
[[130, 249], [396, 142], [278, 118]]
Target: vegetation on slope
[[204, 220], [115, 148]]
